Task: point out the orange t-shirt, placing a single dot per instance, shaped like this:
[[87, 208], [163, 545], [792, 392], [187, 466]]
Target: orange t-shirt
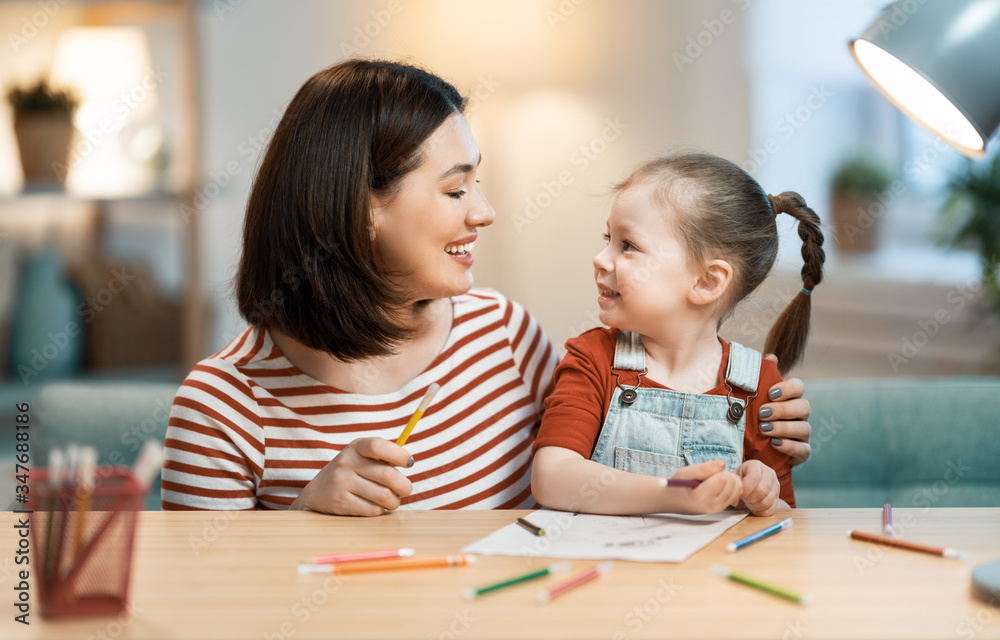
[[584, 385]]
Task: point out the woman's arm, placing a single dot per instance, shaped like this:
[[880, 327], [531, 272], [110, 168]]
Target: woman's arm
[[213, 454], [563, 479]]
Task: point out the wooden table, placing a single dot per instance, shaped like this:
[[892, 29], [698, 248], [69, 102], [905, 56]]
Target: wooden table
[[233, 575]]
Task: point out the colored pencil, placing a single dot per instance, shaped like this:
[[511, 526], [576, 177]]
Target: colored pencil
[[947, 552], [726, 572], [357, 556], [473, 593], [548, 594], [85, 489], [534, 529], [760, 535], [887, 519], [679, 482], [433, 389], [147, 464], [55, 484], [389, 565]]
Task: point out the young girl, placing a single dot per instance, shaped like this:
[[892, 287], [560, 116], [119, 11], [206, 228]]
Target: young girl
[[689, 236]]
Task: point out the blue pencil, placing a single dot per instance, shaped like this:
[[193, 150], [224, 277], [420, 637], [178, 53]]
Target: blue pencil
[[760, 535]]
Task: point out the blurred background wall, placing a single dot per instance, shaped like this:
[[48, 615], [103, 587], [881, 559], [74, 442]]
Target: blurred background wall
[[566, 96]]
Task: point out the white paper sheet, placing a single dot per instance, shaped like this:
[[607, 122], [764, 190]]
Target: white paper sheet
[[663, 537]]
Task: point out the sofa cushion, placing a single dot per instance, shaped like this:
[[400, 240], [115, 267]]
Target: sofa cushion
[[114, 417], [912, 442]]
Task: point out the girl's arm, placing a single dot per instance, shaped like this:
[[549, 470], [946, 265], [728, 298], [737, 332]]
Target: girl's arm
[[563, 479]]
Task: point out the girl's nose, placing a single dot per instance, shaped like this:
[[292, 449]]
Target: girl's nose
[[601, 261]]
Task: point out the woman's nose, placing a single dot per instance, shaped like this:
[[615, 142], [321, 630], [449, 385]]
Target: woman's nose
[[481, 213]]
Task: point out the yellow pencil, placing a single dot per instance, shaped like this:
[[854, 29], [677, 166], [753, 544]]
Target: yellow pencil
[[85, 488], [418, 413]]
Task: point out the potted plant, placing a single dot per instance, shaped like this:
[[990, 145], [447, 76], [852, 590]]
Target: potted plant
[[857, 202], [43, 124], [972, 218]]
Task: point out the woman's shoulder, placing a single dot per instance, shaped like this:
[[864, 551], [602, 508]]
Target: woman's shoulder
[[232, 365]]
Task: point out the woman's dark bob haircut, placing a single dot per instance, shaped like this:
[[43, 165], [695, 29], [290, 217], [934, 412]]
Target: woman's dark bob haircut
[[309, 266]]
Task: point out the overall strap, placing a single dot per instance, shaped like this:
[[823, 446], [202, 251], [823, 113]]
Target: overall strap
[[629, 354], [743, 370]]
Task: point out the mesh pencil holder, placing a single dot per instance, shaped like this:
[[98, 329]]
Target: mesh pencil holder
[[84, 542]]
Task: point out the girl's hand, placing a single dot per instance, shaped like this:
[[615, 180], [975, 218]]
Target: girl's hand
[[786, 418], [760, 487], [718, 489], [361, 480]]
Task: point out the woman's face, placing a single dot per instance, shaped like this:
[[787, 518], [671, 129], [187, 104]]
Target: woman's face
[[425, 233]]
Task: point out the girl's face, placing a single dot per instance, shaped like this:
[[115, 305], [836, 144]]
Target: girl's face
[[425, 233], [642, 275]]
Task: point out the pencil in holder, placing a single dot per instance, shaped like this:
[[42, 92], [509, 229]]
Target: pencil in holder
[[84, 541]]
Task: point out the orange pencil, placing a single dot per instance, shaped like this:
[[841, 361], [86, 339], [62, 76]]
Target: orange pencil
[[390, 565], [947, 552]]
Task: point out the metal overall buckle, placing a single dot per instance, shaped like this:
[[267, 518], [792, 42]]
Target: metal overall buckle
[[736, 410], [629, 394]]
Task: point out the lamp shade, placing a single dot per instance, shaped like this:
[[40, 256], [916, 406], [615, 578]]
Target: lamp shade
[[939, 62]]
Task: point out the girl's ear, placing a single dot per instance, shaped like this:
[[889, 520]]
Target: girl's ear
[[712, 283]]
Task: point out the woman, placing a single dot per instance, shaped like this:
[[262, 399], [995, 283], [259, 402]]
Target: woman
[[355, 277]]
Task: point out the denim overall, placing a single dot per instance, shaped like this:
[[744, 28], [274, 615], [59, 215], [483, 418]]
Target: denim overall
[[661, 430]]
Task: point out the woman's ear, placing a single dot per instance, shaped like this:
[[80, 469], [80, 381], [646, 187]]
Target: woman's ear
[[712, 282]]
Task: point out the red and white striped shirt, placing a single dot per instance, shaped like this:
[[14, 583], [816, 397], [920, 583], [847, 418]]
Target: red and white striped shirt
[[249, 430]]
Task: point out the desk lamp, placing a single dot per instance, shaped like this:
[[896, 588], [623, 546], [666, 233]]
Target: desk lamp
[[938, 61]]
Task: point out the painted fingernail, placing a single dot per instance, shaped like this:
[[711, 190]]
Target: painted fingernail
[[776, 442], [766, 426], [774, 394], [764, 413], [409, 463]]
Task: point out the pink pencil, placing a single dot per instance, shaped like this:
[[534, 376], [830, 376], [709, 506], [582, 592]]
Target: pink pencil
[[355, 556], [678, 482], [548, 594]]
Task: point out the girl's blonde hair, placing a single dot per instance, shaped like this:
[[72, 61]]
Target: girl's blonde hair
[[721, 212]]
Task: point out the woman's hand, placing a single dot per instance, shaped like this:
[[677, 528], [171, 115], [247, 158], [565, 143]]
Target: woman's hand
[[361, 480], [718, 489], [786, 418]]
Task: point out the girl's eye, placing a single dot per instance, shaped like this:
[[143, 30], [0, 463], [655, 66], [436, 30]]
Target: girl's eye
[[607, 237], [627, 246], [457, 194]]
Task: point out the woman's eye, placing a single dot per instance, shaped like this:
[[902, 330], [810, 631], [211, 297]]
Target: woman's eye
[[627, 246], [606, 237], [457, 194]]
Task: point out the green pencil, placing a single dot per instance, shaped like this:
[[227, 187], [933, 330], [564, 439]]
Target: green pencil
[[473, 593], [726, 572]]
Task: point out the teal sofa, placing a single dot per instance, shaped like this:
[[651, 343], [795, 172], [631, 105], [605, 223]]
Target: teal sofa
[[911, 442], [113, 417]]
